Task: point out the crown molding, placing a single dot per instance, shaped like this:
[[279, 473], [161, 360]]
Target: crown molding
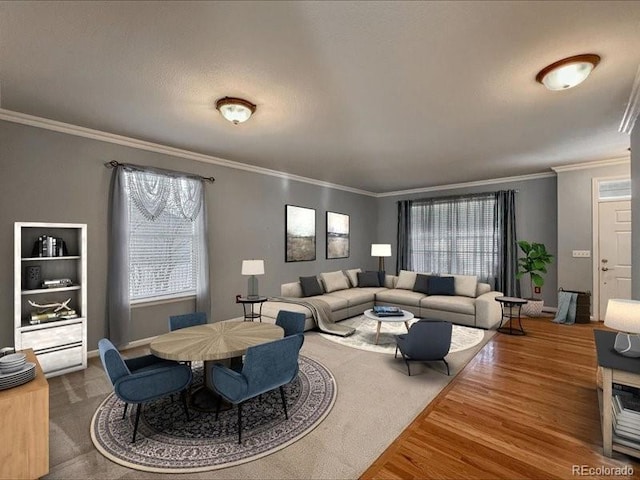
[[596, 164], [633, 107], [479, 183], [56, 126]]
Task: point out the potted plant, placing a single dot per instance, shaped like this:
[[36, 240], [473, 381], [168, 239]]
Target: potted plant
[[534, 263]]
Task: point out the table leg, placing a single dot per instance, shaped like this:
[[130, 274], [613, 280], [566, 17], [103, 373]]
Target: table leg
[[607, 420], [378, 331], [205, 398]]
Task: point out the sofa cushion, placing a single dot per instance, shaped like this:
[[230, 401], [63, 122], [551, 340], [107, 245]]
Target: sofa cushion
[[335, 302], [310, 286], [400, 296], [466, 285], [441, 286], [449, 304], [406, 280], [422, 283], [334, 281], [368, 279], [352, 275], [482, 288], [358, 295], [292, 289]]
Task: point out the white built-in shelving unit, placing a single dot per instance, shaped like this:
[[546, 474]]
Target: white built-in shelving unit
[[60, 344]]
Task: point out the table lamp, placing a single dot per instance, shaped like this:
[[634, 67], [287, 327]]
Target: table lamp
[[624, 315], [252, 268], [380, 250]]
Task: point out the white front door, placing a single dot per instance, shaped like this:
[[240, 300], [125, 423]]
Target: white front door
[[614, 231]]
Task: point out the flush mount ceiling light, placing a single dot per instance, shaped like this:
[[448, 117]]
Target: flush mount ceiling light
[[568, 72], [236, 110]]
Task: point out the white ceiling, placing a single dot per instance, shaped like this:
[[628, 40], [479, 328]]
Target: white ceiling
[[380, 96]]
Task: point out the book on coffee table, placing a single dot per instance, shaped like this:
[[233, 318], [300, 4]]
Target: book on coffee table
[[384, 311]]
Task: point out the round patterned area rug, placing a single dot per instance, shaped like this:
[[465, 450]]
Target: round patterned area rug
[[168, 443], [364, 338]]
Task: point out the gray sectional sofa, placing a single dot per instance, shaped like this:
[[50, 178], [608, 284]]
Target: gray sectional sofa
[[472, 303]]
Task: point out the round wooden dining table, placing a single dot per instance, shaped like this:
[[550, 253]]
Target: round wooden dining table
[[211, 343]]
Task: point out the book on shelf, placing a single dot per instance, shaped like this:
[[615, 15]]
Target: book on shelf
[[628, 403], [36, 318], [626, 442]]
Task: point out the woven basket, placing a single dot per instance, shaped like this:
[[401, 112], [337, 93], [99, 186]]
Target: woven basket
[[533, 308]]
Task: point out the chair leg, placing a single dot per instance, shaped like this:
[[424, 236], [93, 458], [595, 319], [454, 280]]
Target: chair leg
[[284, 402], [135, 427], [395, 355], [408, 368], [183, 395], [218, 402], [445, 362], [124, 413], [239, 423]]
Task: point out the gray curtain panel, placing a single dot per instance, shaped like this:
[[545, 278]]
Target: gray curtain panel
[[118, 302], [402, 257], [507, 256], [203, 291]]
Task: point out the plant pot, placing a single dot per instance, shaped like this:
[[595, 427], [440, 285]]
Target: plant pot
[[533, 308]]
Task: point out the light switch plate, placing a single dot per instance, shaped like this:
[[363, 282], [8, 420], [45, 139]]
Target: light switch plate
[[582, 253]]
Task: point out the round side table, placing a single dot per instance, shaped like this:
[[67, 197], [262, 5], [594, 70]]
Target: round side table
[[249, 307], [511, 308]]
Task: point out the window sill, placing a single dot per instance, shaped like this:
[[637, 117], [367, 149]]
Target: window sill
[[150, 302]]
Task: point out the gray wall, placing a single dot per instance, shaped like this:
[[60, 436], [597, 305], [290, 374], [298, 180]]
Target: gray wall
[[635, 211], [55, 177], [536, 220], [575, 224]]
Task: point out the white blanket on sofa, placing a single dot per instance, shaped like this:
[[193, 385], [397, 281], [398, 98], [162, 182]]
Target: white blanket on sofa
[[321, 313]]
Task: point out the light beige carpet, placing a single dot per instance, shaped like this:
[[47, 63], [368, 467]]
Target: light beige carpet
[[376, 401], [364, 337]]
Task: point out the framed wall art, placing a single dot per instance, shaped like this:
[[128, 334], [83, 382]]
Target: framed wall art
[[337, 235], [300, 233]]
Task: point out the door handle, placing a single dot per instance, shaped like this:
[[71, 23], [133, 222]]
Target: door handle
[[605, 269]]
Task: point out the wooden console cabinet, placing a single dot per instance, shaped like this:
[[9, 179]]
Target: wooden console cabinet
[[24, 423]]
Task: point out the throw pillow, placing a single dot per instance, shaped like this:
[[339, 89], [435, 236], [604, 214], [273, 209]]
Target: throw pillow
[[334, 281], [466, 285], [353, 276], [406, 280], [441, 286], [368, 279], [310, 286], [422, 283]]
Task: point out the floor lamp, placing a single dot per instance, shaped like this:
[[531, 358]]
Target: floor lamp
[[380, 250]]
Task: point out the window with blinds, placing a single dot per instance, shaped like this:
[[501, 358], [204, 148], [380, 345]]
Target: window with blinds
[[614, 189], [163, 253], [455, 236]]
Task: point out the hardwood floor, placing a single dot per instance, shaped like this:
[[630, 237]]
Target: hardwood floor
[[524, 407]]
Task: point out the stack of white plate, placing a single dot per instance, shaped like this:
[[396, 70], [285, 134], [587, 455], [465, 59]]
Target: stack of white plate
[[15, 370], [12, 363]]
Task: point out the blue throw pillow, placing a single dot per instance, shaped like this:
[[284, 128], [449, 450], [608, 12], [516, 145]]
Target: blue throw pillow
[[368, 279], [310, 286], [441, 286]]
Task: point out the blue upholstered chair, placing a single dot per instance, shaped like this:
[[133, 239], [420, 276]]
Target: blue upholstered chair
[[143, 379], [177, 322], [266, 367], [291, 322], [427, 340]]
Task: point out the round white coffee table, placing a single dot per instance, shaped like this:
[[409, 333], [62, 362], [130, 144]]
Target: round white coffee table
[[405, 317]]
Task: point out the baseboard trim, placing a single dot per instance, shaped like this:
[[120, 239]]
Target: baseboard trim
[[134, 344]]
